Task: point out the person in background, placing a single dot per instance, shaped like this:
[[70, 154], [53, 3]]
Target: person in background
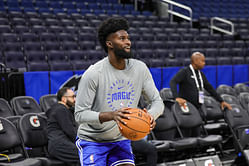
[[62, 128], [192, 83], [105, 93]]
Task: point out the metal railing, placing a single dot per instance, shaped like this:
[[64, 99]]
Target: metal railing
[[213, 27], [172, 12]]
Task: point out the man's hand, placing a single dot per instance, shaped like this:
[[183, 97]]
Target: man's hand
[[225, 105], [181, 101], [152, 120], [115, 115]]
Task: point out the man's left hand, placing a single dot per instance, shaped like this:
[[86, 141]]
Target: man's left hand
[[225, 105]]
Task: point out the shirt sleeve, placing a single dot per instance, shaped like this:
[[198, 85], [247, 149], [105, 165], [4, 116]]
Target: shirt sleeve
[[151, 92], [84, 100], [178, 77], [208, 87]]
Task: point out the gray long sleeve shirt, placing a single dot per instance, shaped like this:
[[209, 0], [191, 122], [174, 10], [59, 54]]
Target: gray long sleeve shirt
[[103, 88]]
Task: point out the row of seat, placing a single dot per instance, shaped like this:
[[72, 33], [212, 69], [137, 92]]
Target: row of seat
[[24, 142], [70, 7], [85, 41], [175, 145], [55, 60], [229, 9], [74, 16], [169, 129], [21, 105], [231, 124]]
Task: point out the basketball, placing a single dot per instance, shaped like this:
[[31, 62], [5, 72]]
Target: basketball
[[137, 127]]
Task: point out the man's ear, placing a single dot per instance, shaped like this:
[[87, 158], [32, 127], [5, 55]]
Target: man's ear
[[63, 99], [109, 44]]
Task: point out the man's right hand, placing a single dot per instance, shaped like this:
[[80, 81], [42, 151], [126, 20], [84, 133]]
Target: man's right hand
[[115, 115], [181, 101]]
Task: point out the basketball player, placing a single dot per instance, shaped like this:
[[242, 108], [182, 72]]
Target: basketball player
[[106, 91]]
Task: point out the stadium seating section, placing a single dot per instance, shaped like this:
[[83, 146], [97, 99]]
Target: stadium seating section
[[49, 35]]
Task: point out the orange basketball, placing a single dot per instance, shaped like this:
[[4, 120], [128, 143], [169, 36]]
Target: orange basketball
[[138, 126]]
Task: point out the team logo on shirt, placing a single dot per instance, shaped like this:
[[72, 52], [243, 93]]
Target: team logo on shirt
[[121, 91], [92, 159]]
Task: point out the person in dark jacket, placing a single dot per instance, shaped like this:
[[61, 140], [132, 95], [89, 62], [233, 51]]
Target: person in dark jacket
[[62, 128], [192, 83]]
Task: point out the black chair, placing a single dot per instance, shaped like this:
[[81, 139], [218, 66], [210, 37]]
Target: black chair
[[237, 120], [167, 97], [36, 61], [7, 112], [29, 37], [32, 46], [25, 104], [214, 120], [191, 120], [5, 109], [226, 60], [230, 99], [69, 45], [38, 29], [210, 61], [65, 37], [241, 87], [10, 140], [48, 37], [51, 46], [38, 66], [58, 61], [226, 89], [19, 29], [244, 100], [10, 37], [33, 130], [14, 60], [76, 57], [212, 52], [46, 101], [166, 130], [238, 60]]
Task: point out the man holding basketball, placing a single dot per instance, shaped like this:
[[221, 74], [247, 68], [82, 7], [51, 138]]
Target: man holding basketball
[[106, 91]]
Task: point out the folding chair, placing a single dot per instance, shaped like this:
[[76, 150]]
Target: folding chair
[[46, 101], [166, 130], [237, 120], [190, 120], [25, 104], [33, 130], [7, 112], [10, 140], [226, 89], [244, 100], [241, 87]]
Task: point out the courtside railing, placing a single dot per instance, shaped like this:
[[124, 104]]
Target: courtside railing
[[172, 13], [214, 27]]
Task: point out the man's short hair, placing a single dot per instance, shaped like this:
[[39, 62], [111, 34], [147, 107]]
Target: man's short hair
[[111, 25], [62, 92]]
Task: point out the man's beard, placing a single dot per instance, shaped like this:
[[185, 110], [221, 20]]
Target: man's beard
[[70, 104], [121, 53]]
